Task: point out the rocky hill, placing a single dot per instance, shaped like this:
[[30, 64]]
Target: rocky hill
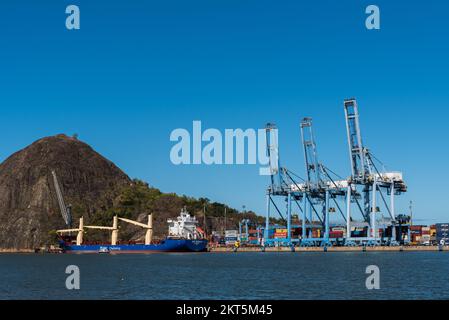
[[28, 204], [96, 189]]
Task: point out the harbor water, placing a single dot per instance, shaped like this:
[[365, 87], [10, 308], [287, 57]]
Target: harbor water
[[259, 276]]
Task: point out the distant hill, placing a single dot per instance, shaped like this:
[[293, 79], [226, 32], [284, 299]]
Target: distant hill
[[95, 187]]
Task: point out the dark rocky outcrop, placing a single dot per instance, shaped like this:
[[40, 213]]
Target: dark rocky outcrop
[[28, 204]]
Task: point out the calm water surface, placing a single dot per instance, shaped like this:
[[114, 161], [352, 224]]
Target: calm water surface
[[227, 276]]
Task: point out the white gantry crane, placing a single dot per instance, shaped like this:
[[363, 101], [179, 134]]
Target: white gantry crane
[[320, 190], [283, 185], [321, 193], [368, 184]]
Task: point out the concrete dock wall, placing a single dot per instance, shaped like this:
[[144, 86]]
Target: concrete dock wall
[[333, 249]]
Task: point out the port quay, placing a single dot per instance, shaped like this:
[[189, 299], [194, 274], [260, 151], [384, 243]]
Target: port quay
[[331, 249]]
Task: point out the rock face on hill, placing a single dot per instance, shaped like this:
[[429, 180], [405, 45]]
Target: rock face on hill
[[28, 203]]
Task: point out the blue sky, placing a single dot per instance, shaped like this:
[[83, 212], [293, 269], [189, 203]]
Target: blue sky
[[136, 70]]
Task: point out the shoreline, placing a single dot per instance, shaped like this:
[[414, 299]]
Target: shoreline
[[17, 251], [282, 249], [333, 249]]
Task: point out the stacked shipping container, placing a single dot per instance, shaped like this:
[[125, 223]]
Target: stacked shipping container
[[231, 237], [442, 233]]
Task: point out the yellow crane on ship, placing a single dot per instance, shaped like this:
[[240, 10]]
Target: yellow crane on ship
[[114, 229], [66, 213]]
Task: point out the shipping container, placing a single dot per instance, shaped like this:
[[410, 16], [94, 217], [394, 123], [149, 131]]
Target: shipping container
[[336, 234], [281, 231], [359, 233], [442, 227], [442, 234], [280, 236]]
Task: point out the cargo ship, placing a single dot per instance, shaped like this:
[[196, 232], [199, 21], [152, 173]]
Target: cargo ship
[[184, 235]]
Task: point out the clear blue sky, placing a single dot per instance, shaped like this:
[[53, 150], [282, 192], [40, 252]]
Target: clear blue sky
[[139, 69]]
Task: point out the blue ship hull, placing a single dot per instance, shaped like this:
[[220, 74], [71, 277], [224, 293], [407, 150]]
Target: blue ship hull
[[168, 245]]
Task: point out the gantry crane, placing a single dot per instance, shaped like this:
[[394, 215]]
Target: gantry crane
[[282, 181], [366, 188], [367, 183], [320, 189]]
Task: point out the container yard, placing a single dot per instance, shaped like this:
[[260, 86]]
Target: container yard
[[423, 238]]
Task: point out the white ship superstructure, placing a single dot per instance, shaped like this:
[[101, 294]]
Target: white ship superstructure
[[184, 226]]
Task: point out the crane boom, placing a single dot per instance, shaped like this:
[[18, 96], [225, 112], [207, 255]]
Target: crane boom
[[148, 227], [99, 228], [273, 156], [134, 223], [360, 161], [65, 210], [313, 167], [277, 173]]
